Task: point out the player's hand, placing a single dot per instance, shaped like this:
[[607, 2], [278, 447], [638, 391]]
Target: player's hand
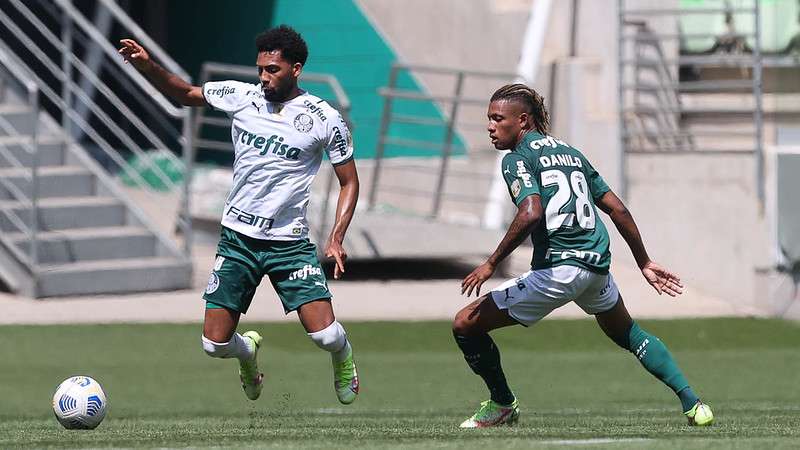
[[135, 54], [662, 280], [335, 251], [475, 280]]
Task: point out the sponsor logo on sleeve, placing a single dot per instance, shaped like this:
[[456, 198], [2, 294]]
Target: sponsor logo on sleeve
[[339, 143], [523, 174], [221, 92], [316, 110]]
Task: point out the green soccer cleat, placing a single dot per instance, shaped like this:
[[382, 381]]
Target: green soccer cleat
[[252, 379], [700, 415], [345, 380], [492, 414]]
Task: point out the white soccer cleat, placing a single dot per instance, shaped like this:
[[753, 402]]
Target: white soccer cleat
[[492, 414], [252, 379]]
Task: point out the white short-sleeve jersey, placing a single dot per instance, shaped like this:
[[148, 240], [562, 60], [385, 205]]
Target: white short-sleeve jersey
[[278, 150]]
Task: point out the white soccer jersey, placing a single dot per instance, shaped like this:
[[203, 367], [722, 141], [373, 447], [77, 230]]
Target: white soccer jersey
[[278, 149]]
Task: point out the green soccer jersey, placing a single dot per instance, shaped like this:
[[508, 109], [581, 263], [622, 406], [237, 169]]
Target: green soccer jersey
[[570, 231]]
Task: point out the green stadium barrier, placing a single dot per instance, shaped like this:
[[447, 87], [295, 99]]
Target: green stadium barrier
[[144, 167]]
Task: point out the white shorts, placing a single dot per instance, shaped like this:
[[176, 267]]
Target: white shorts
[[536, 293]]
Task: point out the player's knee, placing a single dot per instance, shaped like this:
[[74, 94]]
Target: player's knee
[[462, 325], [216, 349], [332, 339]]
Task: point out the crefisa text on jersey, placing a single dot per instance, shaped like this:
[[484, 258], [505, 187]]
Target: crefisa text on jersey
[[556, 159], [221, 92], [316, 110], [275, 142]]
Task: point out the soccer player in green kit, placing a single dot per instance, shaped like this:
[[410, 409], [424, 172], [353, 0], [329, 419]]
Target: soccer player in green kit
[[556, 190]]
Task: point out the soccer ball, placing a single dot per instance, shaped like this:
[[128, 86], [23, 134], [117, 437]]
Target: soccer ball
[[79, 403]]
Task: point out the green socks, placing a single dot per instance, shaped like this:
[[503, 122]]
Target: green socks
[[655, 357]]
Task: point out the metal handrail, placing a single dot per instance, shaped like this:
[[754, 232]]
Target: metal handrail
[[32, 90], [75, 15], [70, 34], [454, 101], [87, 100], [663, 65], [160, 109], [107, 148], [141, 36]]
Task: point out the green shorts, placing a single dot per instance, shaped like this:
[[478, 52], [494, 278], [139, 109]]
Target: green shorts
[[292, 266]]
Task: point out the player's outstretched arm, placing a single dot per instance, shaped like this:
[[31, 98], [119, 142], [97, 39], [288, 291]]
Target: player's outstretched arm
[[529, 213], [345, 207], [660, 278], [167, 82]]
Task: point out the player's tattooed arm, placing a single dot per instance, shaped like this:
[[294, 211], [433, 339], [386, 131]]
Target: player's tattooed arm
[[165, 81], [529, 213], [662, 280], [345, 207]]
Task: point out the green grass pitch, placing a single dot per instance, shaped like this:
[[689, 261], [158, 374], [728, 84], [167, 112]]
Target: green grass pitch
[[575, 388]]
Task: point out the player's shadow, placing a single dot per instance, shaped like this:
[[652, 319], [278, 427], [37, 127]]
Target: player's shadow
[[404, 269]]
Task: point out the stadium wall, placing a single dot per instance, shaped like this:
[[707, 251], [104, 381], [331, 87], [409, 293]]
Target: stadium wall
[[699, 214]]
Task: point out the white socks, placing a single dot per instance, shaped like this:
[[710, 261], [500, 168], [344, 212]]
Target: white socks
[[332, 339], [237, 347]]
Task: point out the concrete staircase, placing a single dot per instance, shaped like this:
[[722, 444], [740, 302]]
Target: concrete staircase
[[91, 238]]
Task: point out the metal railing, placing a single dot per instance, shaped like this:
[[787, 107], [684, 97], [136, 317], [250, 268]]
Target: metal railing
[[658, 126], [30, 145], [208, 118], [655, 94], [120, 114], [452, 103]]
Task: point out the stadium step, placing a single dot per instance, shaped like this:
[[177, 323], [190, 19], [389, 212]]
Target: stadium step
[[89, 244], [51, 151], [55, 181], [65, 213], [111, 276], [15, 119]]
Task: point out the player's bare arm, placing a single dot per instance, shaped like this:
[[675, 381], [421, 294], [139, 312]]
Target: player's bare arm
[[662, 280], [529, 213], [345, 207], [165, 81]]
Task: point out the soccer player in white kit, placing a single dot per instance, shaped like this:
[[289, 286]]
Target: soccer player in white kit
[[279, 134]]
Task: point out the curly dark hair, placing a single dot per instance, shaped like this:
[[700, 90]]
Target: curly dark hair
[[528, 98], [284, 38]]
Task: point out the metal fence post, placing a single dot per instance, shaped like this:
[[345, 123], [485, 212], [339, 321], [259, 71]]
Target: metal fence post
[[448, 146], [188, 167], [758, 114], [34, 216], [66, 67], [623, 131], [379, 150]]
